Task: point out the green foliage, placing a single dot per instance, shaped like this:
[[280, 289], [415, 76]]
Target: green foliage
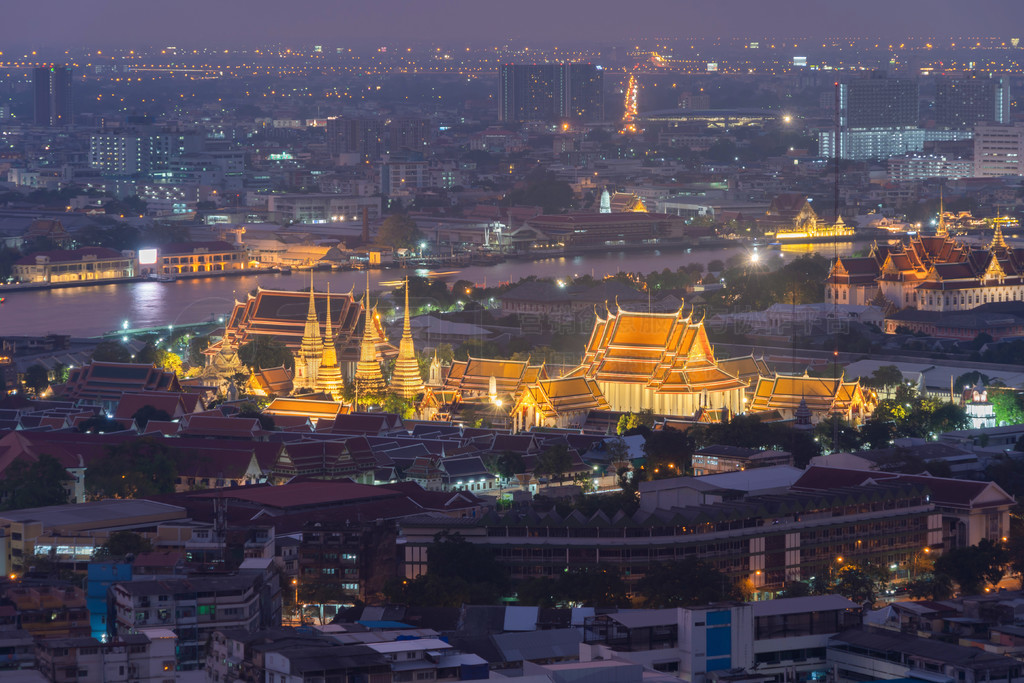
[[1008, 406], [122, 543], [112, 352], [508, 464], [458, 572], [161, 358], [861, 583], [100, 424], [251, 410], [393, 403], [138, 468], [399, 232], [669, 453], [36, 378], [632, 421], [749, 287], [747, 431], [685, 583], [601, 586], [885, 377], [32, 485], [262, 352], [545, 190], [554, 462], [973, 567], [910, 415], [143, 415]]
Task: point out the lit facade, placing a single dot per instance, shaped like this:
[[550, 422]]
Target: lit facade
[[76, 265]]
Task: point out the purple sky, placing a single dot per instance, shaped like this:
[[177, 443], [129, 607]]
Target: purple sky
[[347, 22]]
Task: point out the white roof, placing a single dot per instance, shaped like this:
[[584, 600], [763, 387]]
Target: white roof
[[409, 645], [519, 618], [810, 603], [756, 479]]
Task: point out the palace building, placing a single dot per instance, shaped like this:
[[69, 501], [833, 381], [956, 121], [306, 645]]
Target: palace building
[[657, 361], [823, 397], [790, 216], [930, 273], [562, 403]]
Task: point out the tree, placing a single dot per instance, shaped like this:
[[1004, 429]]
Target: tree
[[555, 461], [137, 468], [458, 572], [263, 352], [973, 567], [399, 232], [509, 464], [1007, 405], [122, 543], [684, 583], [857, 583], [37, 378], [251, 410], [669, 453], [100, 424], [143, 415], [884, 377], [631, 421], [112, 352], [161, 358], [393, 403], [38, 484]]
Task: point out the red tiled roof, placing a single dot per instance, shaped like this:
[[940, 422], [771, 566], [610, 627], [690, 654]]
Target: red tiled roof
[[957, 492]]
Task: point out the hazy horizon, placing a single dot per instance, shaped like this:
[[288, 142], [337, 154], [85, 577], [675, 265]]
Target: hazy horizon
[[65, 24]]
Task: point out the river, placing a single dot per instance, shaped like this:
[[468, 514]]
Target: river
[[92, 311]]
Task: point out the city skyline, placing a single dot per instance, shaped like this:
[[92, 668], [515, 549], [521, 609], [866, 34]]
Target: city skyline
[[118, 22]]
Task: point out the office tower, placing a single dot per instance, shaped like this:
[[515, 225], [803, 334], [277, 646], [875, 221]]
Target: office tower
[[551, 92], [52, 87], [998, 150], [967, 99], [878, 101]]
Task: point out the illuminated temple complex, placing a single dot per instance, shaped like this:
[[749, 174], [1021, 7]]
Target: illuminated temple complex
[[657, 361], [930, 273], [790, 216]]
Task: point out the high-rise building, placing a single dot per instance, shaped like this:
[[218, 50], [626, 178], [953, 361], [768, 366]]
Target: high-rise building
[[551, 92], [998, 150], [362, 137], [585, 86], [967, 99], [878, 101], [52, 87]]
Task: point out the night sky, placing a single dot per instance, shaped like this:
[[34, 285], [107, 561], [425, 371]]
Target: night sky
[[236, 23]]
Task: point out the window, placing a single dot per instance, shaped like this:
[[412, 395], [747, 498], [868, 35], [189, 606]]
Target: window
[[208, 610]]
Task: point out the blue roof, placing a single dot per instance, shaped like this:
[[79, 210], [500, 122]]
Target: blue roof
[[383, 624]]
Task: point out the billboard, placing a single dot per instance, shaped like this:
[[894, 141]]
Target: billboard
[[147, 257]]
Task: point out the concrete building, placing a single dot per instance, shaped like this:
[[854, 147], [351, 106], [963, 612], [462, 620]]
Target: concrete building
[[967, 99], [906, 168], [52, 96], [75, 265], [321, 208], [196, 607], [146, 657], [998, 150]]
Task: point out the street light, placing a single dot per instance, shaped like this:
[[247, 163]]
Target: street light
[[298, 611]]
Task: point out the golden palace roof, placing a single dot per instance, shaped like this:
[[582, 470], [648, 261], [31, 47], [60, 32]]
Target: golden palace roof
[[821, 394], [474, 375], [667, 352], [552, 397]]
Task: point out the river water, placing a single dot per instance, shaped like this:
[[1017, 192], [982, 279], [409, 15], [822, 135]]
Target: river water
[[91, 311]]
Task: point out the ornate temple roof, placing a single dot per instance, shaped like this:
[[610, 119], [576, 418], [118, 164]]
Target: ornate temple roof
[[667, 352]]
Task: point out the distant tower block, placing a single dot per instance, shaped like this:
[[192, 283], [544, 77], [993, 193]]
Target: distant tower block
[[366, 227], [329, 378], [406, 380]]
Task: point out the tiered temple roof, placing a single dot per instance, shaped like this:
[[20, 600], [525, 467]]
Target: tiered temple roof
[[282, 315], [473, 377], [823, 396], [669, 353], [406, 380]]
